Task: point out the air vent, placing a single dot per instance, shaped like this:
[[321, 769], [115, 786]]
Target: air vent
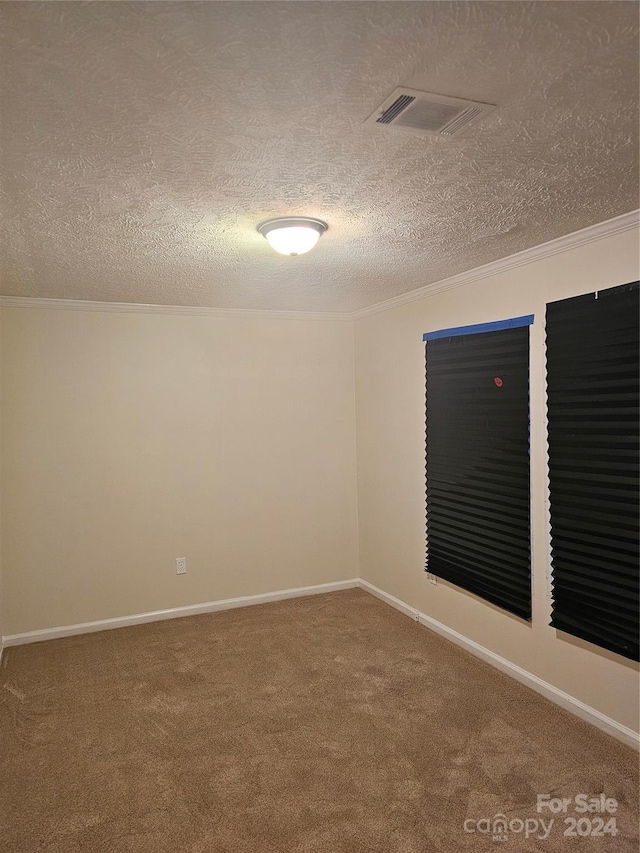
[[423, 113]]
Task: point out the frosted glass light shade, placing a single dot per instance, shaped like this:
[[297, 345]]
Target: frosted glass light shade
[[292, 236], [292, 240]]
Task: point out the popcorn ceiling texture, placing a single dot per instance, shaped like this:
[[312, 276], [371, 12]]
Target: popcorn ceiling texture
[[143, 142]]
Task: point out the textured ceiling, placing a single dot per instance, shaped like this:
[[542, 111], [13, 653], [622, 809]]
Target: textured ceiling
[[143, 142]]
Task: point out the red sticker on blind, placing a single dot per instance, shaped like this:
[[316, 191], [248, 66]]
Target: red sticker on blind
[[498, 381]]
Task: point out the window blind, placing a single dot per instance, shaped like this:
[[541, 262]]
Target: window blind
[[477, 460], [593, 400]]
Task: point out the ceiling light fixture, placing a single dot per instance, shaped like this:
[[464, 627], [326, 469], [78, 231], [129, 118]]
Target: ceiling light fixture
[[292, 235]]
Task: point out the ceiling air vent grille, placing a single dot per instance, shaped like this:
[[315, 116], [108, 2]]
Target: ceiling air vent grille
[[424, 113], [395, 109]]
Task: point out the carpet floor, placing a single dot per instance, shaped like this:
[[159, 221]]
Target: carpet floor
[[328, 724]]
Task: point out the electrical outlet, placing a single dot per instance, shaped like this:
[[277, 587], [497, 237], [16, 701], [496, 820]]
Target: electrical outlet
[[432, 578], [181, 565]]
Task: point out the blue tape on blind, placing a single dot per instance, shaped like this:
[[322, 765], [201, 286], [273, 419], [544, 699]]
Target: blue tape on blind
[[514, 323]]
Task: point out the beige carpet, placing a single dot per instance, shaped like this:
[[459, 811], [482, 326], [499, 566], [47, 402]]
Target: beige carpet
[[317, 725]]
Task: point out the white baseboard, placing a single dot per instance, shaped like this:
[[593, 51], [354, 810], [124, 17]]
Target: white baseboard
[[559, 697], [174, 613]]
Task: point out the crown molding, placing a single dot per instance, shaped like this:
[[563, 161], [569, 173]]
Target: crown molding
[[184, 310], [618, 225]]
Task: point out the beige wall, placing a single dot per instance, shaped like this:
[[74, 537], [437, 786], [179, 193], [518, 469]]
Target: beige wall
[[133, 439], [391, 482]]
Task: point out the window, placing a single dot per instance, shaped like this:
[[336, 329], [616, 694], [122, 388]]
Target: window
[[477, 460], [592, 375]]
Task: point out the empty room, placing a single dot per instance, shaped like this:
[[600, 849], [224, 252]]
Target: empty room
[[319, 427]]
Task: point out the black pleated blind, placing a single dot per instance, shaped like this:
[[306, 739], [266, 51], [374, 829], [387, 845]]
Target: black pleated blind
[[477, 462], [593, 400]]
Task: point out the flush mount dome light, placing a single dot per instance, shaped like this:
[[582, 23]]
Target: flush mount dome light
[[291, 235]]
